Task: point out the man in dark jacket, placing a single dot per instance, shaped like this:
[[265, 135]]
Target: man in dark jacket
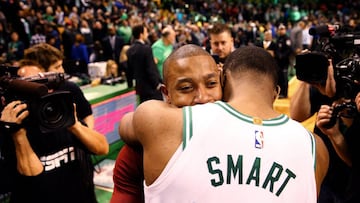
[[282, 56], [142, 67], [112, 45]]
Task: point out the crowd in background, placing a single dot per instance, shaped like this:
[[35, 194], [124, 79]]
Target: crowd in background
[[83, 25], [88, 31]]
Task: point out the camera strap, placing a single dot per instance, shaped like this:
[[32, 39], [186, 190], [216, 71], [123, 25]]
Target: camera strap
[[9, 127]]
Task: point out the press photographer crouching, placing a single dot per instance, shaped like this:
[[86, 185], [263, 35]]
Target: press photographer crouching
[[50, 158], [329, 77]]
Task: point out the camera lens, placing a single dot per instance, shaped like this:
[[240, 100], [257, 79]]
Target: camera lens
[[54, 111], [51, 112]]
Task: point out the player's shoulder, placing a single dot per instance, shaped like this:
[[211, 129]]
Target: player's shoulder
[[154, 109], [296, 124]]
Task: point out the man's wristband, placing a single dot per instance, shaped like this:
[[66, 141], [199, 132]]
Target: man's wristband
[[9, 128]]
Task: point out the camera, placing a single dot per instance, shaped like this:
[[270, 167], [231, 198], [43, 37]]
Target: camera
[[341, 44], [346, 109], [49, 110]]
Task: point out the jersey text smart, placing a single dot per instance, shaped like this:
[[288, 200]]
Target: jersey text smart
[[235, 169]]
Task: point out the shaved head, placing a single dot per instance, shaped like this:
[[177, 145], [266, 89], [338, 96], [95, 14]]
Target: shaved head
[[191, 77], [185, 51]]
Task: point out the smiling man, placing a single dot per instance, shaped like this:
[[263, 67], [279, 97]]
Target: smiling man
[[190, 77]]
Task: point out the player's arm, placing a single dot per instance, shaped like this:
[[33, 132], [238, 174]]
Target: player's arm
[[322, 162], [126, 129], [155, 121], [158, 127]]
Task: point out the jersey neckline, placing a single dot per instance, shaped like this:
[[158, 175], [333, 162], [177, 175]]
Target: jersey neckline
[[279, 120]]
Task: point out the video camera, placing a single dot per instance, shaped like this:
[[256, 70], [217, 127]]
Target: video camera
[[50, 110], [341, 44]]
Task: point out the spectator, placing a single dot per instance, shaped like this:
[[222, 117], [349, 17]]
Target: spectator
[[123, 61], [38, 37], [111, 76], [68, 38], [146, 75], [52, 32], [282, 56], [15, 48], [306, 37], [221, 41], [268, 44], [99, 31], [252, 33], [3, 43], [79, 51], [163, 47], [112, 45], [124, 31], [98, 53], [296, 37], [87, 34]]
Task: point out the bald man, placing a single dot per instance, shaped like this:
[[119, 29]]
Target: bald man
[[190, 77], [29, 68]]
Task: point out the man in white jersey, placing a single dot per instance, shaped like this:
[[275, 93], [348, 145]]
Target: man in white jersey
[[190, 77], [241, 150]]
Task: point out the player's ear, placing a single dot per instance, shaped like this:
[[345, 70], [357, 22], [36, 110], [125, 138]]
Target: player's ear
[[277, 91], [165, 93], [222, 77]]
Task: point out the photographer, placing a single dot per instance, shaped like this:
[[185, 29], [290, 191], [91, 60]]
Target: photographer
[[353, 139], [317, 96], [331, 88], [51, 166], [344, 142]]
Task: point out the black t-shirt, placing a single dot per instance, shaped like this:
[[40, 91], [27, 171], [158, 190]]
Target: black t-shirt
[[83, 107], [68, 170], [353, 138]]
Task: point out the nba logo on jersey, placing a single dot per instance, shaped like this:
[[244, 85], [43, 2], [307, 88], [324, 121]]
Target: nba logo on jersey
[[259, 139]]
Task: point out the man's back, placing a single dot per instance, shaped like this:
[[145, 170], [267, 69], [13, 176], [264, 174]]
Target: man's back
[[267, 160]]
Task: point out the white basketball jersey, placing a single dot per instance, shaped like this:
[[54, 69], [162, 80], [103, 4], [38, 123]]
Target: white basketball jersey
[[227, 156]]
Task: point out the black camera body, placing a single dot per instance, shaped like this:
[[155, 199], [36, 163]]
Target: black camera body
[[341, 44], [49, 110], [347, 77], [346, 109]]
